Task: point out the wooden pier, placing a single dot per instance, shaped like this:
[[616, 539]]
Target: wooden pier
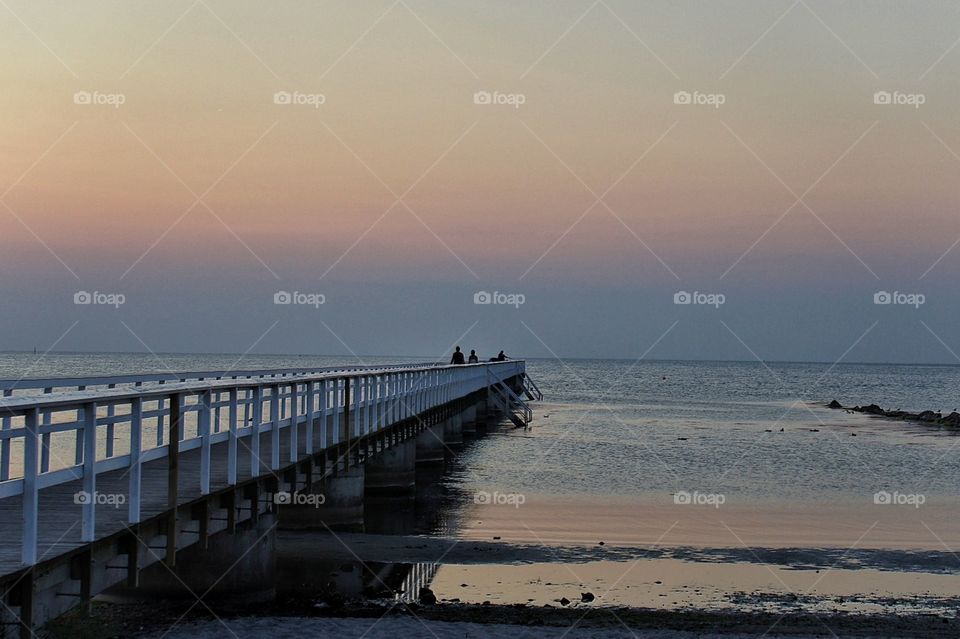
[[102, 477]]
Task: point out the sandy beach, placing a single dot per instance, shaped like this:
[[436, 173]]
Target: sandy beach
[[616, 520]]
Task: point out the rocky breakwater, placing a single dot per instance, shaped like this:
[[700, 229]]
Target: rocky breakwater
[[928, 416]]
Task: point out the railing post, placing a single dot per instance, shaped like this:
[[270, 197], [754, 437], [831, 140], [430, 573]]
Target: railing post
[[367, 403], [309, 409], [31, 452], [232, 438], [110, 426], [173, 470], [45, 437], [255, 432], [136, 431], [203, 426], [275, 427], [395, 398], [294, 422], [381, 401], [346, 415], [217, 399], [5, 444], [357, 417], [89, 505], [323, 414]]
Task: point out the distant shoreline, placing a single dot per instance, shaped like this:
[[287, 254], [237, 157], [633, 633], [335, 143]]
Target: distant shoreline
[[434, 356]]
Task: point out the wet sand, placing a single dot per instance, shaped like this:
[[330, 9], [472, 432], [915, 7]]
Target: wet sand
[[552, 520], [858, 560]]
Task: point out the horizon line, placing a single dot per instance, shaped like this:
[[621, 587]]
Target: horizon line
[[431, 358]]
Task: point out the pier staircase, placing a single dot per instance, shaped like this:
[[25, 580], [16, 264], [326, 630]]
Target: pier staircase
[[506, 400]]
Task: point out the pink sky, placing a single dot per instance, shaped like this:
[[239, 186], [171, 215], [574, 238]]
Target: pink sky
[[496, 194]]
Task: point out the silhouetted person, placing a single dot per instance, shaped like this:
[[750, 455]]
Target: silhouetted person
[[473, 359], [457, 357], [501, 356]]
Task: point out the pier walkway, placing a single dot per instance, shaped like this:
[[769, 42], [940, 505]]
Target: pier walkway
[[102, 477]]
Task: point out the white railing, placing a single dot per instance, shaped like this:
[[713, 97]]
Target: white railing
[[54, 384], [32, 386], [93, 431]]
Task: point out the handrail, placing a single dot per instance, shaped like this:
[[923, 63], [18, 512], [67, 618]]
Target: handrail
[[533, 386], [8, 404], [509, 395], [163, 377]]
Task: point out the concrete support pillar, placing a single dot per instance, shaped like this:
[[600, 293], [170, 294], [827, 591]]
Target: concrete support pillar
[[335, 502], [393, 470], [235, 568], [470, 414], [430, 446], [453, 431], [468, 420]]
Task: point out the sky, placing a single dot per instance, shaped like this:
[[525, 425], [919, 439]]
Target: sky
[[172, 173]]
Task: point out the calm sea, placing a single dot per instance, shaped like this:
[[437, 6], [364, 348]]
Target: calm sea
[[757, 432]]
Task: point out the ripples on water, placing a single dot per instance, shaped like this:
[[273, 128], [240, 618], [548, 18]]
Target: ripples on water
[[612, 427]]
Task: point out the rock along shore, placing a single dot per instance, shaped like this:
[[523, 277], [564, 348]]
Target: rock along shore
[[928, 416]]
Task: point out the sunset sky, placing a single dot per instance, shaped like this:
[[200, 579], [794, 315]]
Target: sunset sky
[[399, 197]]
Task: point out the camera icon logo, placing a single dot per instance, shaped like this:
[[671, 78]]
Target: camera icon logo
[[683, 498], [282, 498], [882, 97], [282, 297], [882, 297], [482, 97], [482, 497], [82, 297], [682, 97], [282, 97], [82, 97], [882, 498], [82, 498], [482, 297], [682, 297]]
